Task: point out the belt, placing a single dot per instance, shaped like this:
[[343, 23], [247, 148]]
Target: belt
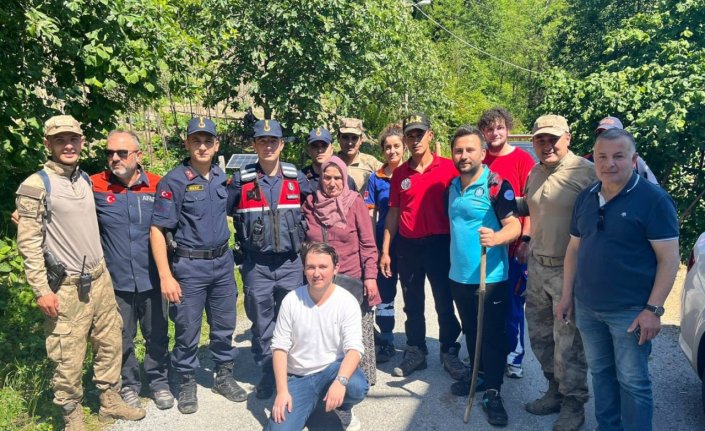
[[96, 272], [549, 261], [271, 259], [202, 254]]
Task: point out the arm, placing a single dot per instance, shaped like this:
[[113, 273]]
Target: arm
[[511, 228], [391, 224], [351, 329], [283, 399], [171, 290], [564, 309], [667, 261], [336, 392]]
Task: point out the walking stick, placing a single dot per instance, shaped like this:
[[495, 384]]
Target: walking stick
[[478, 339]]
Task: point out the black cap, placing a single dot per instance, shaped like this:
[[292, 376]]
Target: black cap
[[415, 121]]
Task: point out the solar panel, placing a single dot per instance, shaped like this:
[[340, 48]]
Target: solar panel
[[239, 161]]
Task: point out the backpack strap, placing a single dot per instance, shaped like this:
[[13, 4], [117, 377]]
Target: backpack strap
[[47, 197]]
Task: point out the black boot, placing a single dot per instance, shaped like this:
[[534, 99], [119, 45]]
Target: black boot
[[265, 387], [226, 385], [188, 402]]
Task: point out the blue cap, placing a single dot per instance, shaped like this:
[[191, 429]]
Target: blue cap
[[320, 134], [268, 128], [200, 124]]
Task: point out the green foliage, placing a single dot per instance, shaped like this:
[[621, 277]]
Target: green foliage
[[653, 80]]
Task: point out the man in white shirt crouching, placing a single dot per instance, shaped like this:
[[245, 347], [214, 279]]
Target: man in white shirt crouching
[[317, 346]]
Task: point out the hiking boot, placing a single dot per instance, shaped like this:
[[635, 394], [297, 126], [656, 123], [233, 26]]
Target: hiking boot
[[130, 397], [451, 363], [226, 385], [414, 359], [265, 387], [385, 353], [572, 415], [163, 399], [548, 404], [493, 406], [348, 420], [515, 371], [188, 401], [113, 407], [73, 417], [462, 388]]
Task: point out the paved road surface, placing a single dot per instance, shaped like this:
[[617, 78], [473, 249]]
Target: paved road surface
[[423, 401]]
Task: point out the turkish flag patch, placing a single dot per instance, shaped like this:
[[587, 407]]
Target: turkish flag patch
[[165, 195], [110, 199]]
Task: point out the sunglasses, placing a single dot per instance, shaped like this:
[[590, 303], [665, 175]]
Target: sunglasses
[[601, 219], [123, 154]]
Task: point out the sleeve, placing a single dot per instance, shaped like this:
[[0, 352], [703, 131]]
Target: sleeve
[[282, 336], [351, 329], [662, 224], [30, 236], [235, 189], [368, 248], [371, 194], [394, 186], [505, 204], [574, 219], [167, 205], [304, 187]]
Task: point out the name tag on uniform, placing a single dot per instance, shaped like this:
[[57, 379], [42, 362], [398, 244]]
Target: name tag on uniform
[[195, 188], [291, 197]]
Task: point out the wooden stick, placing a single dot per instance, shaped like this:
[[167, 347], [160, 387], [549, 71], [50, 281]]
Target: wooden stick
[[478, 339]]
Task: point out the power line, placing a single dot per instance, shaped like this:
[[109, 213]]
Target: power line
[[468, 44]]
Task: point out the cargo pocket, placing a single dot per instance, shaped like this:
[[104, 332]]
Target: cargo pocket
[[58, 340]]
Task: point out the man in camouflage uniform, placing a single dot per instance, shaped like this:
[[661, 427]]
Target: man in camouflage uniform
[[57, 214], [551, 190], [360, 165]]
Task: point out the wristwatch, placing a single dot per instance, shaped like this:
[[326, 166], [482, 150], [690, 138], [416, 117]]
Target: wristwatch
[[656, 309], [525, 238], [342, 380]]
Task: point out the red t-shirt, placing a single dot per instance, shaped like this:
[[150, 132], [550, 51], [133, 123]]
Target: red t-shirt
[[419, 197], [514, 167]]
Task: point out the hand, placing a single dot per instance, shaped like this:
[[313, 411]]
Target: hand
[[171, 290], [372, 291], [334, 397], [564, 309], [649, 323], [49, 305], [15, 217], [281, 402], [487, 238], [522, 252], [385, 265]]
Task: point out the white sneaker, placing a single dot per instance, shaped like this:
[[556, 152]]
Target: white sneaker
[[515, 371], [348, 420]]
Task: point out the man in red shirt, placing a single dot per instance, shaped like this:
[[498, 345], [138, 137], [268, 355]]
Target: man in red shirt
[[423, 247], [513, 164]]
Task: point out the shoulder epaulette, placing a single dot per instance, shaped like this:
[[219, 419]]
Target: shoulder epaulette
[[248, 173], [289, 170]]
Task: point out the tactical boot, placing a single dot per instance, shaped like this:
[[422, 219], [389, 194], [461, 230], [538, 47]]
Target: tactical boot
[[226, 385], [572, 415], [452, 364], [188, 402], [112, 406], [414, 359], [73, 417], [549, 403], [494, 407], [265, 387]]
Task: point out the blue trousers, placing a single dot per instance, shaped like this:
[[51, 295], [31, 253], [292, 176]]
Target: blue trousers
[[205, 284], [307, 391], [619, 367], [515, 317]]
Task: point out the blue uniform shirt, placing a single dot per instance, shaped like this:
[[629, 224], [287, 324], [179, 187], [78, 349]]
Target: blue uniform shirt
[[469, 210], [194, 207], [377, 196], [310, 185], [124, 219], [616, 262]]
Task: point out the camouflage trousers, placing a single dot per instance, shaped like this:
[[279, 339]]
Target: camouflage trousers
[[557, 346], [94, 318]]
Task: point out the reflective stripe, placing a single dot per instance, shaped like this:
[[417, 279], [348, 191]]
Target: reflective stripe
[[287, 206], [249, 210]]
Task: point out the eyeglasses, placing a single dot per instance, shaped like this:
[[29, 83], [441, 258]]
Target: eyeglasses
[[123, 154], [601, 219]]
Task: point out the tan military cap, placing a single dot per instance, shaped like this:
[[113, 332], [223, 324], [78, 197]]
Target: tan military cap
[[551, 124], [350, 125], [62, 123]]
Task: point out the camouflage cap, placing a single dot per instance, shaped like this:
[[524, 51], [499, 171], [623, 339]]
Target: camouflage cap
[[351, 125], [62, 123], [551, 124]]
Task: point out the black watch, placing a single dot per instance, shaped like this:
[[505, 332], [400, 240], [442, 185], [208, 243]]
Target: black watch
[[656, 309], [525, 238]]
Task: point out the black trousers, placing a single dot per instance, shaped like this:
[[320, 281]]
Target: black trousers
[[147, 310], [418, 259], [494, 332]]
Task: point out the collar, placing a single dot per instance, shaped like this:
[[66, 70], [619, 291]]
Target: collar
[[569, 155], [628, 187], [279, 174], [68, 171], [192, 173], [355, 161], [434, 164], [309, 172], [482, 179], [380, 172], [113, 179]]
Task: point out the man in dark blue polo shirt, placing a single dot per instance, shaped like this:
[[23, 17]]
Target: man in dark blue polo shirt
[[319, 148], [190, 205], [621, 262], [124, 199]]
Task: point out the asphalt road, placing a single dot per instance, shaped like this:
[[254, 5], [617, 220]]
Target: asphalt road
[[423, 400]]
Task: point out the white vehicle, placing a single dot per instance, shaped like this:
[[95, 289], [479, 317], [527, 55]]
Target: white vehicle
[[692, 338]]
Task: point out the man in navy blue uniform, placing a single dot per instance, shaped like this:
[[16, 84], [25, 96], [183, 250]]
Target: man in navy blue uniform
[[191, 205], [264, 200], [319, 149], [124, 199]]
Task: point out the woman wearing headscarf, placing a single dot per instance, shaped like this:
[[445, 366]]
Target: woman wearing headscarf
[[337, 215]]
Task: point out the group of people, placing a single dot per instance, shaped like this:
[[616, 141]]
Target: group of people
[[126, 248]]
